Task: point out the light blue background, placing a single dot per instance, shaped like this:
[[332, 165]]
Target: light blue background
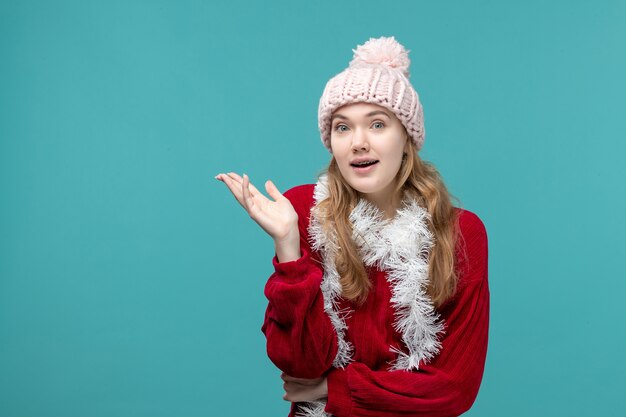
[[131, 282]]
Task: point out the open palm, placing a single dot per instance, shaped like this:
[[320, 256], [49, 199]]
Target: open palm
[[278, 218]]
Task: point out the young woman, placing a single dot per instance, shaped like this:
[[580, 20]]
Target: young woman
[[379, 302]]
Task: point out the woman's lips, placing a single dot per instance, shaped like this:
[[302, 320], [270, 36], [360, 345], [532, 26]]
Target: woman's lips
[[364, 170]]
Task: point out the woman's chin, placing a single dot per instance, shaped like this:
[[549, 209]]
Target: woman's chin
[[365, 185]]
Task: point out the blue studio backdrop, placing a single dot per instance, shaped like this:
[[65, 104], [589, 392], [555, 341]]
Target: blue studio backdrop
[[131, 281]]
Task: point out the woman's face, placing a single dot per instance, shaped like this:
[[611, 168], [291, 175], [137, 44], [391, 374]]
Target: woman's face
[[368, 132]]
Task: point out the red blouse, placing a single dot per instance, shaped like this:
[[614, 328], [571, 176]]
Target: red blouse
[[302, 342]]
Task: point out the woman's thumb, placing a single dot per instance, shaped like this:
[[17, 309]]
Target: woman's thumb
[[272, 190]]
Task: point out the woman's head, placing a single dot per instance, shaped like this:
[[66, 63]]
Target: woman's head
[[378, 74], [369, 145]]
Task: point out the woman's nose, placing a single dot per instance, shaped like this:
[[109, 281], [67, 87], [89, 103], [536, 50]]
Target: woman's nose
[[359, 140]]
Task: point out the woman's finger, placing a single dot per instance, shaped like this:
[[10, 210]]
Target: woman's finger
[[274, 193], [253, 189], [300, 381], [272, 190], [235, 184], [296, 392], [234, 187], [247, 197]]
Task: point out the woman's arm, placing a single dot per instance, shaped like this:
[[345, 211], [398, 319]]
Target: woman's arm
[[301, 340]]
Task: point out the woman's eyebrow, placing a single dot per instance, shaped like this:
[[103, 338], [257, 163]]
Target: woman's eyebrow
[[372, 113]]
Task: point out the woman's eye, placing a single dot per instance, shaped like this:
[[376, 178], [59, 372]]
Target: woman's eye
[[378, 125], [340, 128]]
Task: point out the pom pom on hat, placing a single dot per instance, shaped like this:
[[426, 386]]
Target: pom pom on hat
[[382, 51]]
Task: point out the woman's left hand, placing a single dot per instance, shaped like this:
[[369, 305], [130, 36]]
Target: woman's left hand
[[301, 389]]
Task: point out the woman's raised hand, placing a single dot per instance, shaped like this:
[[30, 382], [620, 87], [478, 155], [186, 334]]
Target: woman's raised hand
[[278, 218]]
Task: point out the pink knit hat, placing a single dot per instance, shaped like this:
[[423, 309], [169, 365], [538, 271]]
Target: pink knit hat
[[378, 74]]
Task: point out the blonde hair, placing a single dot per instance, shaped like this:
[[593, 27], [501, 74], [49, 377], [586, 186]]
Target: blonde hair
[[423, 182]]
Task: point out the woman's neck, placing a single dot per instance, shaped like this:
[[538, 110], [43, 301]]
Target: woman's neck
[[388, 205]]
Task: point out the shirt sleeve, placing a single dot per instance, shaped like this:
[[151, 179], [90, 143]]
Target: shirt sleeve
[[301, 340], [449, 384]]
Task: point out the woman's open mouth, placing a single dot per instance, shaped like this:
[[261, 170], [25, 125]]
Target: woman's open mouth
[[364, 167]]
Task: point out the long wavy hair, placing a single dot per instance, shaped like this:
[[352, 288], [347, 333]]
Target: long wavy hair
[[422, 180]]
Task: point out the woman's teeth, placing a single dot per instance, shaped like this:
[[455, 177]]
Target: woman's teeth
[[364, 164]]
